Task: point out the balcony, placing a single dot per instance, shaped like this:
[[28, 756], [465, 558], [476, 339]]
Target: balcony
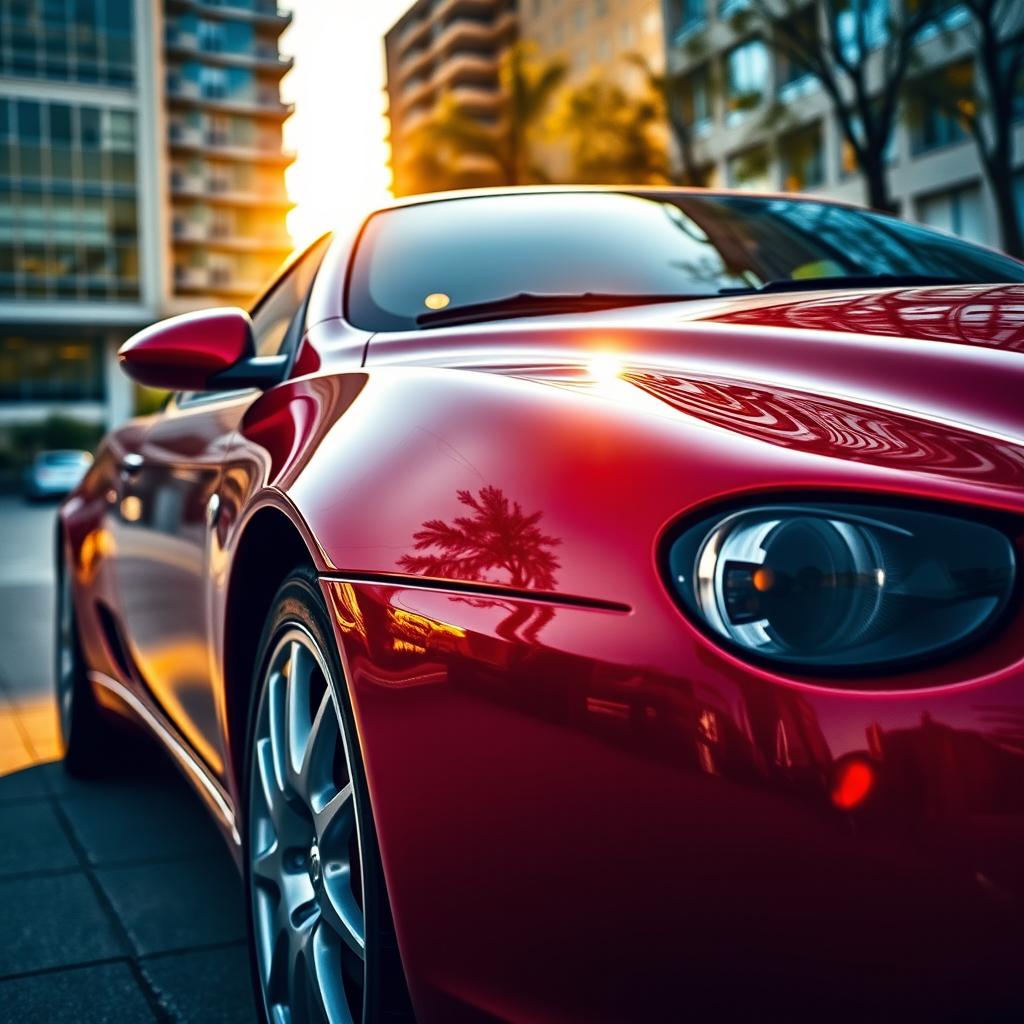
[[223, 192], [476, 96], [259, 12], [263, 58], [227, 237], [218, 145], [184, 134], [185, 230], [257, 102], [461, 29]]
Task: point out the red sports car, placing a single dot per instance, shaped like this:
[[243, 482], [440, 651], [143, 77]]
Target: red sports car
[[586, 605]]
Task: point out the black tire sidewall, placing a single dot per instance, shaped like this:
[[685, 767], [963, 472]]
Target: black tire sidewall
[[87, 752]]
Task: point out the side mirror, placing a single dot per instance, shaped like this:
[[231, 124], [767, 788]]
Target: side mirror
[[210, 350]]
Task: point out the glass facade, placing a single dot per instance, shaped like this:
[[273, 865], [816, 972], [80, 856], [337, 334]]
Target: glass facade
[[69, 40], [57, 366], [68, 210]]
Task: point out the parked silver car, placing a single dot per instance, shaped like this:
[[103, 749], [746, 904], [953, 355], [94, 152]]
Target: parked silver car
[[55, 473]]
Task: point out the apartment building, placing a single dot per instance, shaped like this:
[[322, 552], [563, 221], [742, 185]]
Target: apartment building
[[141, 173], [734, 80], [224, 116], [596, 38], [80, 225], [439, 48]]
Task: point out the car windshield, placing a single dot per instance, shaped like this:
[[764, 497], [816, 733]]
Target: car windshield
[[477, 250]]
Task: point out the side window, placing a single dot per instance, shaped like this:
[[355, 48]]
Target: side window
[[276, 310]]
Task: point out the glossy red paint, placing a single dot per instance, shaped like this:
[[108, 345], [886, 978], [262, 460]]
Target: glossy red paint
[[186, 352], [588, 810]]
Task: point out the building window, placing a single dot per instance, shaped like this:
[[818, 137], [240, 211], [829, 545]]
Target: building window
[[934, 97], [959, 211], [801, 157], [49, 369], [68, 227], [794, 78], [600, 8], [579, 18], [690, 15], [860, 26], [746, 77], [68, 40], [696, 100], [750, 169]]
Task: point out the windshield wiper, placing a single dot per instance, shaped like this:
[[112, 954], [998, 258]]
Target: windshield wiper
[[537, 304], [810, 284]]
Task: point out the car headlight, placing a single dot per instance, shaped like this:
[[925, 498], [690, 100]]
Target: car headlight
[[843, 586]]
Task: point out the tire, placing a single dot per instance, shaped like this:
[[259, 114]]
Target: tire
[[86, 733], [321, 939]]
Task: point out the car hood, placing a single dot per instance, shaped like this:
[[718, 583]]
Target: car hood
[[923, 381]]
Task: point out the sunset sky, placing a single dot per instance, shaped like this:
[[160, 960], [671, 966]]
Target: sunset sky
[[338, 128]]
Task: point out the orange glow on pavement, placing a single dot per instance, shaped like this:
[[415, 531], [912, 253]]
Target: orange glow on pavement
[[29, 734]]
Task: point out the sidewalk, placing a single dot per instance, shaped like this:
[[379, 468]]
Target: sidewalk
[[118, 899], [118, 902]]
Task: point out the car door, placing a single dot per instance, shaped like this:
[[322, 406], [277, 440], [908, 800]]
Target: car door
[[167, 507]]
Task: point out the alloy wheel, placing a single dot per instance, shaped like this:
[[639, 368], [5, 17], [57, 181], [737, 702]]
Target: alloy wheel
[[304, 849]]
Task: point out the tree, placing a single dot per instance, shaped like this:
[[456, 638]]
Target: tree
[[674, 91], [983, 95], [613, 136], [437, 150], [861, 63], [497, 537]]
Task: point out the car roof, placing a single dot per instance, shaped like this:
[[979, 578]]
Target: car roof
[[652, 191]]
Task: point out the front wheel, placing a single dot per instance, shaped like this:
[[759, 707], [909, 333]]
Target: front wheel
[[321, 937]]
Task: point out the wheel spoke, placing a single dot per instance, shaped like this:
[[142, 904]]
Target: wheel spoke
[[276, 727], [340, 909], [335, 819], [266, 866], [299, 671], [315, 773], [325, 969], [299, 952]]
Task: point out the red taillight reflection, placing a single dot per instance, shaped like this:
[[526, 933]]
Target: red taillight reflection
[[853, 784]]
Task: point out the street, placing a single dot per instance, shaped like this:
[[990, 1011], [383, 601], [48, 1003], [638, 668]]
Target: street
[[118, 900]]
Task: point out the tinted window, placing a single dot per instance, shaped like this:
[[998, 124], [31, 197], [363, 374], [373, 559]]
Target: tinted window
[[463, 251], [275, 311]]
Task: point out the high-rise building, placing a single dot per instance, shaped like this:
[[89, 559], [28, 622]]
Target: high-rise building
[[446, 47], [79, 209], [596, 38], [224, 117], [141, 172], [734, 80]]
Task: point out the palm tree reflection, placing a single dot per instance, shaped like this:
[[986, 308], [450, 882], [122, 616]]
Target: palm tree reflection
[[496, 543]]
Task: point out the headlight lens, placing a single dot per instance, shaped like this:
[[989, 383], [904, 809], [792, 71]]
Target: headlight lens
[[843, 586]]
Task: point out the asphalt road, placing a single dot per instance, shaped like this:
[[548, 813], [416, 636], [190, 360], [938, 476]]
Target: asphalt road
[[118, 900]]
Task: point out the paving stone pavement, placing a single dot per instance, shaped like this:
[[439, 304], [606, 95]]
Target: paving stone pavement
[[118, 899]]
